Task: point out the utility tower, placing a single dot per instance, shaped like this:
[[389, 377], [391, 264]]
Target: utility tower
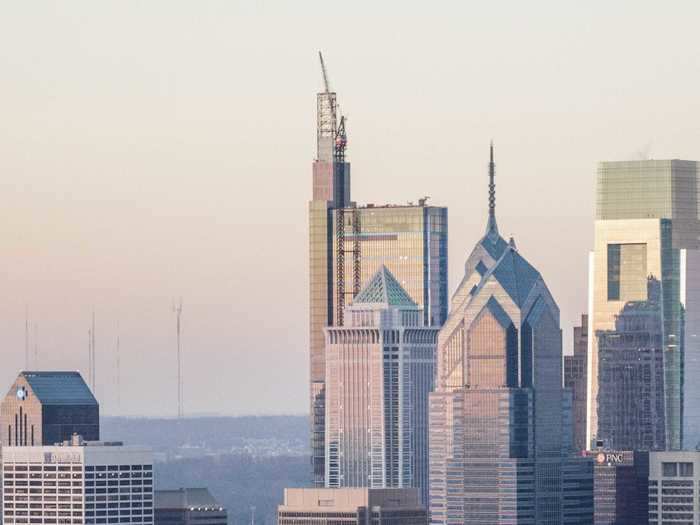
[[177, 308], [26, 337]]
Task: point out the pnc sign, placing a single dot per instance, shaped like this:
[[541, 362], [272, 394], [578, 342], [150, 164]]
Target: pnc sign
[[609, 458]]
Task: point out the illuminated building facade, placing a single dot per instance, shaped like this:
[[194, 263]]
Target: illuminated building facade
[[380, 368], [647, 226], [410, 240], [498, 451]]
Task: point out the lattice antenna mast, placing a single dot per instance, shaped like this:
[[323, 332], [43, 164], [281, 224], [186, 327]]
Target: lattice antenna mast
[[26, 337], [94, 356], [119, 372], [177, 308]]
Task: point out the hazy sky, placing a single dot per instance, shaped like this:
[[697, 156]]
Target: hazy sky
[[151, 150]]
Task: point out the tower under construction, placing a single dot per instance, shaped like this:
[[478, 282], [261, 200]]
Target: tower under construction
[[349, 243]]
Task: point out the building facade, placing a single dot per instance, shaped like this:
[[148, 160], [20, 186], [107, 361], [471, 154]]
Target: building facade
[[498, 451], [410, 240], [575, 368], [674, 488], [188, 506], [647, 226], [45, 408], [380, 368], [77, 483], [351, 506], [620, 486], [631, 401]]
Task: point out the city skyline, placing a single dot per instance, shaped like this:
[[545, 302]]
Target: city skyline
[[118, 207]]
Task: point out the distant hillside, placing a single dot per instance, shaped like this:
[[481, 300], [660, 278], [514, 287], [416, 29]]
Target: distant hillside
[[244, 461]]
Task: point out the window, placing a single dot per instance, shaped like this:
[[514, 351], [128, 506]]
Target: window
[[627, 272], [685, 470], [669, 470]]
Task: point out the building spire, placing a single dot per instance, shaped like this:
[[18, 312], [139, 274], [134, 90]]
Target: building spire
[[492, 228]]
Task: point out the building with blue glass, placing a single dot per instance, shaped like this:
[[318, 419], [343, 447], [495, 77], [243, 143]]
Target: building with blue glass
[[499, 450], [45, 408]]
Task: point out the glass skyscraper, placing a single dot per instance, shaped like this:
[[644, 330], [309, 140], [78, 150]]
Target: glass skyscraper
[[499, 452], [647, 227], [410, 240], [380, 368]]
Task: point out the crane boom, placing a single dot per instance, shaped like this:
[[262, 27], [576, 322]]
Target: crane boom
[[325, 75]]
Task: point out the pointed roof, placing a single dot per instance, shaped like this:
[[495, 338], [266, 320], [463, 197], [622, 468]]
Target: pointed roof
[[492, 241], [383, 288], [516, 275], [59, 388]]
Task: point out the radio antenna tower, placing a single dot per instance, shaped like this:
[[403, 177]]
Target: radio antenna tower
[[26, 337], [91, 355], [119, 378], [36, 346], [177, 308]]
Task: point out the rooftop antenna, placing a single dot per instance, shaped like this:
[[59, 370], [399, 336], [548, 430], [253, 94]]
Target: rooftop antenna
[[252, 515], [177, 308], [492, 227]]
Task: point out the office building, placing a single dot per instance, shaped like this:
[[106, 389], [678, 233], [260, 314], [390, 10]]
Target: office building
[[575, 367], [620, 486], [351, 506], [380, 368], [77, 482], [631, 376], [45, 408], [496, 418], [647, 226], [188, 506], [410, 240], [674, 488]]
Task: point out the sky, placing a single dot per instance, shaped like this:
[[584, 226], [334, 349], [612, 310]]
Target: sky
[[157, 150]]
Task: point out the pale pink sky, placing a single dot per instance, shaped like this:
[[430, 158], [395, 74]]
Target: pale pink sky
[[151, 150]]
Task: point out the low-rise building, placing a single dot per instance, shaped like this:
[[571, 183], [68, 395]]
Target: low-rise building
[[77, 482], [352, 506], [674, 488], [188, 506]]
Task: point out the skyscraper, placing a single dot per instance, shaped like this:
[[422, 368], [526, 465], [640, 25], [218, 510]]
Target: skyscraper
[[45, 408], [410, 240], [380, 369], [647, 226], [631, 377], [575, 367], [498, 453]]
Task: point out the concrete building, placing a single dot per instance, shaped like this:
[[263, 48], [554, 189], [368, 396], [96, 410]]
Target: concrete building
[[647, 226], [45, 408], [575, 368], [620, 486], [631, 399], [674, 488], [77, 483], [188, 506], [349, 243], [380, 368], [351, 506], [498, 451]]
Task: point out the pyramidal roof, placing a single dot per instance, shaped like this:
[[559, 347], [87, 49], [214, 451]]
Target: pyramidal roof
[[383, 288], [517, 276]]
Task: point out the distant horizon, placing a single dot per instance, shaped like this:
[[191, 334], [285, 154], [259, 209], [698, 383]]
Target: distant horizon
[[137, 170]]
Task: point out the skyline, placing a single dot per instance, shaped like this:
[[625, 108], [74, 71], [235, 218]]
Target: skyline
[[137, 216]]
